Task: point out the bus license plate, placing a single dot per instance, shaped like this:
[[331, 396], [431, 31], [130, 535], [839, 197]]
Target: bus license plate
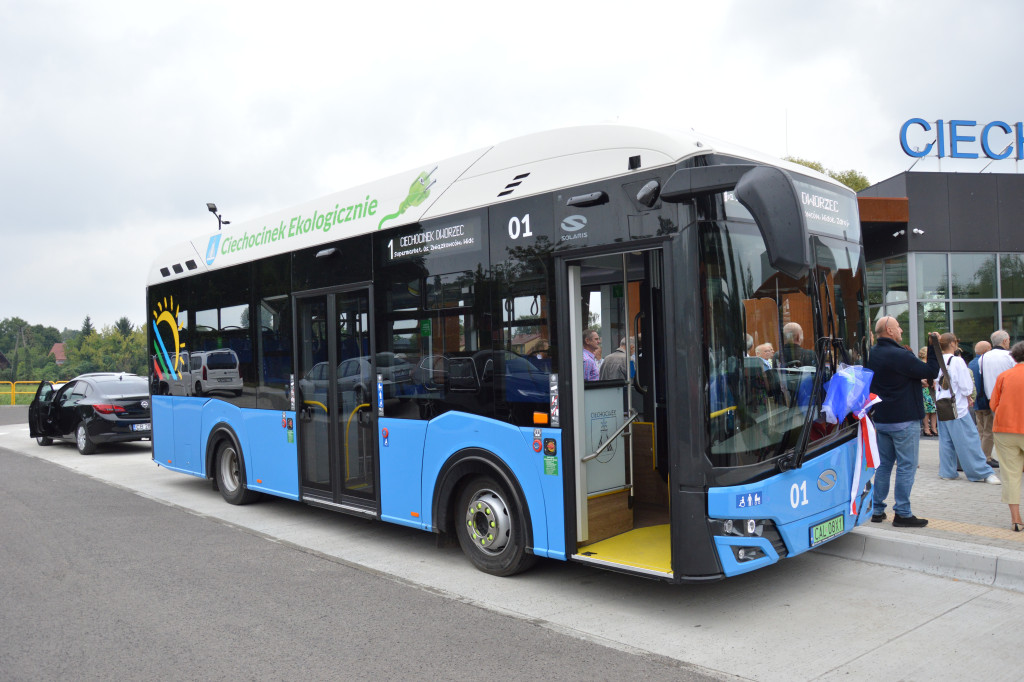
[[826, 530], [140, 427]]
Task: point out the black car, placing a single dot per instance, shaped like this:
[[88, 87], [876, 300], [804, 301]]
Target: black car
[[91, 409]]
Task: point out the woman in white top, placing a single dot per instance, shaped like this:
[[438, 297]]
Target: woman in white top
[[958, 438]]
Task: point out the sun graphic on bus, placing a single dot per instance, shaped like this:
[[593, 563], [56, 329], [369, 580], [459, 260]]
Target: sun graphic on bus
[[164, 361]]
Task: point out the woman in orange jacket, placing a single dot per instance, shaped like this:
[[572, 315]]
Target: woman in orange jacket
[[1007, 402]]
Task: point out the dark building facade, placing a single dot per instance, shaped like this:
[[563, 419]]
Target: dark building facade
[[945, 252]]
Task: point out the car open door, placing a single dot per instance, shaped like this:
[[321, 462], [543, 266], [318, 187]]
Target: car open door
[[39, 424]]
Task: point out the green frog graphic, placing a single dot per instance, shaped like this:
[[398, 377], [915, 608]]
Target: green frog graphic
[[418, 193]]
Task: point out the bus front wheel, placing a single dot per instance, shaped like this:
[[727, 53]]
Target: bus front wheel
[[490, 528], [230, 478]]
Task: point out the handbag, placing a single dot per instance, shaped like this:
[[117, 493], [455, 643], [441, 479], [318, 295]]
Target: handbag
[[945, 408]]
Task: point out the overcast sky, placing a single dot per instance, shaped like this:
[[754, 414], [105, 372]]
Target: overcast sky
[[120, 120]]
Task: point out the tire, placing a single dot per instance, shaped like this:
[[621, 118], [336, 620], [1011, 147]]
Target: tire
[[44, 440], [82, 440], [491, 529], [229, 471]]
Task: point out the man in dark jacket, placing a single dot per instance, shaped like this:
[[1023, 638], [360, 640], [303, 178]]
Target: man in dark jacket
[[897, 381]]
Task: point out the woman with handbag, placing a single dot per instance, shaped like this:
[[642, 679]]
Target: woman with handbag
[[1007, 403], [958, 436]]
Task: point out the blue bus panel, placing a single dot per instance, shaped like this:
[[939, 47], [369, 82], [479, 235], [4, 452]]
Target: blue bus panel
[[271, 456], [412, 454], [540, 480], [808, 506]]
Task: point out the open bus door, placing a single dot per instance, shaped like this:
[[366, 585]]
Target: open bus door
[[617, 423], [337, 399]]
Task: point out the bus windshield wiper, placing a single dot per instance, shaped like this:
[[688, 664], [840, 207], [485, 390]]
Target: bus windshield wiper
[[795, 459]]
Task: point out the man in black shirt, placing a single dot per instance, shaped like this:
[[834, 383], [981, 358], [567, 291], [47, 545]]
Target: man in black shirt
[[897, 381]]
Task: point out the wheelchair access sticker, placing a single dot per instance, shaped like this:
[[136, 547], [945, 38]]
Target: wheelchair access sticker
[[748, 500]]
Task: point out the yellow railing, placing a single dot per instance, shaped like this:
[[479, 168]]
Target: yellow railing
[[11, 394]]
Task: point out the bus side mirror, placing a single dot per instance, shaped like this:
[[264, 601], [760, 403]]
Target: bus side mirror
[[770, 196]]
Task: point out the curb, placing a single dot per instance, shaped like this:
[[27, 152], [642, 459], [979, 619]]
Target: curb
[[991, 566]]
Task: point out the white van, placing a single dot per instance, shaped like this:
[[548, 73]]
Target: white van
[[215, 371]]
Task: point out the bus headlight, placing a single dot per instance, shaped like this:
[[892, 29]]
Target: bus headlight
[[738, 527], [748, 553]]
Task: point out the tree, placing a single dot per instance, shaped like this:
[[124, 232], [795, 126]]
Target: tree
[[813, 165], [124, 327], [27, 347], [851, 178]]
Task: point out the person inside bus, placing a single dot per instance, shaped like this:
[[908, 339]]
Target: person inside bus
[[591, 346], [540, 356], [897, 381], [767, 355], [793, 354], [616, 365], [1007, 403]]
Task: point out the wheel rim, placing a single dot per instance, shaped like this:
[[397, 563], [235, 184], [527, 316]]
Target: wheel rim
[[229, 474], [81, 437], [488, 522]]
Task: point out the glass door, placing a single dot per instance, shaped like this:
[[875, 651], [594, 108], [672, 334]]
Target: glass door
[[337, 389], [618, 419]]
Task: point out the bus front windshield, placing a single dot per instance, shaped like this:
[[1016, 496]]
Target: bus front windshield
[[760, 332]]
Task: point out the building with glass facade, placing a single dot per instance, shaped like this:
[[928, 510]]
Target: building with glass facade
[[945, 252]]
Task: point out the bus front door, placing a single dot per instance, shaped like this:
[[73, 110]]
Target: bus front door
[[336, 396], [622, 495]]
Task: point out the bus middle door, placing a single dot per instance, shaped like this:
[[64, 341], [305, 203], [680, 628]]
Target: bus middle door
[[337, 400]]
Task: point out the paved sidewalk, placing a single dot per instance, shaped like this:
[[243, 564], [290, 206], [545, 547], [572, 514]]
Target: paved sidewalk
[[956, 510], [968, 537]]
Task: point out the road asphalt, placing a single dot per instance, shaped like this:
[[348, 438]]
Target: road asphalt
[[969, 535]]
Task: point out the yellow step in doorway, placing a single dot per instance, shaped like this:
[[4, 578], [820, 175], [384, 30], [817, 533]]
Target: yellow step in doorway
[[648, 549]]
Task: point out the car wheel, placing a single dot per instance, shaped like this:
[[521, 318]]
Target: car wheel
[[44, 440], [82, 440], [229, 472], [199, 389], [490, 528]]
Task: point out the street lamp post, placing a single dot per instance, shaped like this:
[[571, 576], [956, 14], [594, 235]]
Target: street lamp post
[[220, 221]]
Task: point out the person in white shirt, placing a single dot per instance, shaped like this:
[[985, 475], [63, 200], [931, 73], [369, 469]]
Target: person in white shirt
[[958, 438], [996, 361]]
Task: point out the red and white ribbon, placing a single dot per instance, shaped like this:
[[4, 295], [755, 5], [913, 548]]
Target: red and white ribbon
[[867, 449]]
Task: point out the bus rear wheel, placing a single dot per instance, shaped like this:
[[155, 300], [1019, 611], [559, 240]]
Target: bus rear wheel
[[490, 528], [228, 471]]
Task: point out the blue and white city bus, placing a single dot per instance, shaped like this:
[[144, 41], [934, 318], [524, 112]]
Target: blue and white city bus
[[411, 350]]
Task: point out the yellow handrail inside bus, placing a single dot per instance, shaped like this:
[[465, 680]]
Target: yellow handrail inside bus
[[721, 412], [313, 402], [348, 425]]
